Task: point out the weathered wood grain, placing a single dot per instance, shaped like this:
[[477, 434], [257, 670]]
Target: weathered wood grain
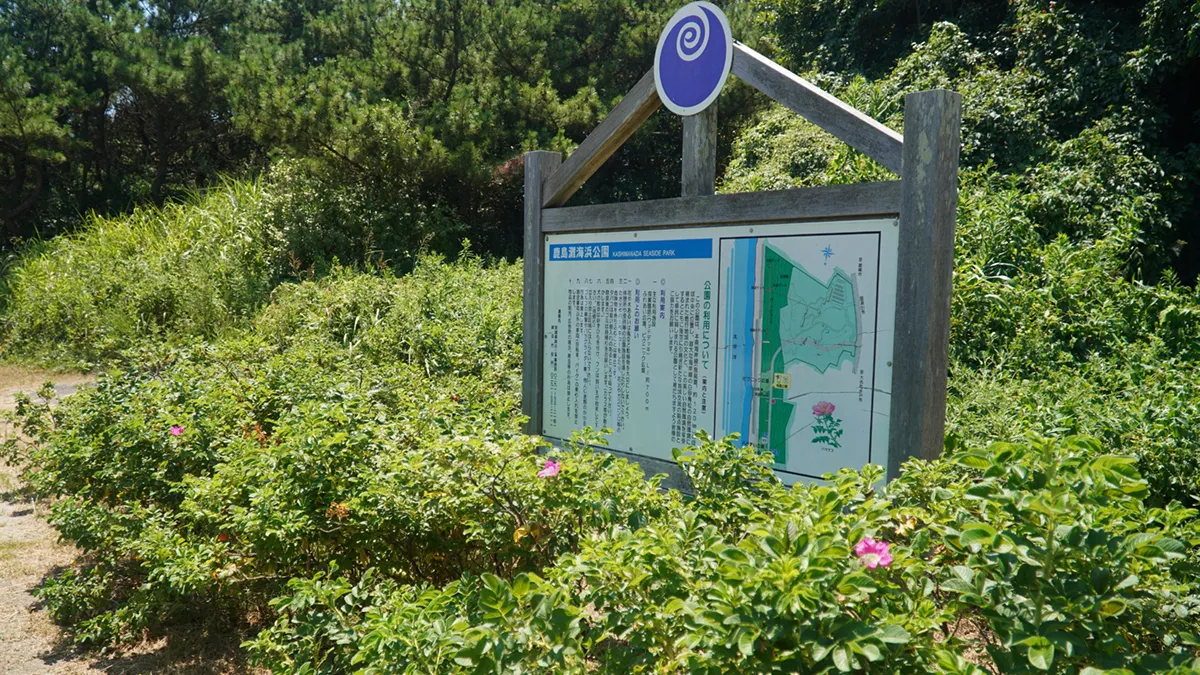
[[833, 201], [638, 104], [819, 107], [538, 165], [928, 207], [700, 153]]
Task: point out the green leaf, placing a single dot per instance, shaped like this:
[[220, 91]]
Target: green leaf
[[871, 651], [746, 643], [841, 658], [1122, 466], [1127, 582], [470, 654], [1041, 652], [772, 546], [1112, 607], [958, 586], [521, 586], [981, 491], [853, 583], [734, 555], [890, 633], [977, 533], [974, 460], [1171, 545]]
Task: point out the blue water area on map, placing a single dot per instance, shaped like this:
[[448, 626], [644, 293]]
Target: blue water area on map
[[739, 332], [664, 249]]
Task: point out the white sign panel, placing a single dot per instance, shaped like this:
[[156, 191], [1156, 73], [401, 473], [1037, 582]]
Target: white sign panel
[[780, 333]]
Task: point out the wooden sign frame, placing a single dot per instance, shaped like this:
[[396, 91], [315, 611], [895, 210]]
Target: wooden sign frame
[[924, 199]]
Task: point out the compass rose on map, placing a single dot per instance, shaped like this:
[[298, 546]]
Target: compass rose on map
[[828, 253]]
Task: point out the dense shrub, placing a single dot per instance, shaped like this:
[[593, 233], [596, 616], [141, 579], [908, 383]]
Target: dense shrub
[[350, 471], [398, 209], [1034, 557], [201, 268], [203, 477]]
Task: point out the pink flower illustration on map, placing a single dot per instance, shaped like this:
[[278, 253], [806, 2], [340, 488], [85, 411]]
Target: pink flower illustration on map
[[827, 430]]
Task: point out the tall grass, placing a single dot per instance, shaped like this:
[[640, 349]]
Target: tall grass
[[189, 269]]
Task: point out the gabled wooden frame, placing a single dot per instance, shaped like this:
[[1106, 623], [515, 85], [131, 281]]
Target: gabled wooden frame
[[924, 200]]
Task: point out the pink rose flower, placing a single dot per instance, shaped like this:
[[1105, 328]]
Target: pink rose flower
[[873, 553], [176, 430], [823, 408], [550, 469]]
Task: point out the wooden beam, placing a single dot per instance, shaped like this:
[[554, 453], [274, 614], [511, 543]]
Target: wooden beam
[[856, 200], [819, 107], [928, 208], [538, 165], [638, 104], [700, 153]]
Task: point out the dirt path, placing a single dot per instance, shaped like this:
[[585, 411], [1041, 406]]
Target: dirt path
[[29, 551]]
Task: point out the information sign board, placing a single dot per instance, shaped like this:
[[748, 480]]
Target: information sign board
[[781, 333], [813, 322]]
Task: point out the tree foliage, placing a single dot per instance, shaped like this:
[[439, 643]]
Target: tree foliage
[[1041, 80], [416, 111]]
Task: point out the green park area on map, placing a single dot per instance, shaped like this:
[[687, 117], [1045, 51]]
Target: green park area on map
[[803, 321]]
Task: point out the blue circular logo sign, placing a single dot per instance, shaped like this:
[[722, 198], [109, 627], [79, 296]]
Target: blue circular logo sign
[[695, 52]]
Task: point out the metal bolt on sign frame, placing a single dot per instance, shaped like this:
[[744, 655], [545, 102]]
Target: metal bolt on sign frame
[[924, 200]]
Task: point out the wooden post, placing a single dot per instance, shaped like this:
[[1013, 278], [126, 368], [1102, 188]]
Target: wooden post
[[538, 167], [700, 153], [928, 206]]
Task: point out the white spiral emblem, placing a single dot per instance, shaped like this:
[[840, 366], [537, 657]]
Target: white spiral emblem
[[693, 36], [693, 58]]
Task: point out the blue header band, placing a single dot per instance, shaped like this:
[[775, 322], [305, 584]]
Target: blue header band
[[669, 249]]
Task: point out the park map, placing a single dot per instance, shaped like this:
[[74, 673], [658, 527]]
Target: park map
[[798, 344], [804, 321]]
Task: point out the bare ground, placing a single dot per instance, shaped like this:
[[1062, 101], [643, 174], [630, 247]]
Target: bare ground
[[30, 551]]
